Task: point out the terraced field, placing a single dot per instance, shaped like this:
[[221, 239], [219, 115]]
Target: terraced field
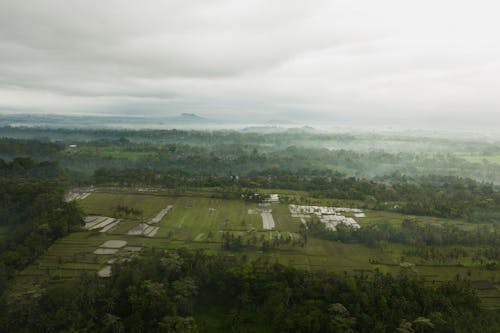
[[200, 222]]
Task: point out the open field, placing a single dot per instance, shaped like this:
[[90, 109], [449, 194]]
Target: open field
[[200, 222]]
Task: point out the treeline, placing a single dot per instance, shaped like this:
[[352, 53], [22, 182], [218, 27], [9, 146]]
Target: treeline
[[409, 233], [29, 147], [232, 242], [126, 211], [191, 292], [32, 216], [25, 167]]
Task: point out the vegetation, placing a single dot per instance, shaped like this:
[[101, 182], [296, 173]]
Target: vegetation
[[225, 153], [186, 291], [34, 215], [425, 258], [409, 233]]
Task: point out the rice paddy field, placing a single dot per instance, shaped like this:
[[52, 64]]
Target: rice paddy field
[[199, 222]]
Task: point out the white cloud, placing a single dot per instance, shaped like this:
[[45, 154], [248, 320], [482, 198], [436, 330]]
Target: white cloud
[[388, 59]]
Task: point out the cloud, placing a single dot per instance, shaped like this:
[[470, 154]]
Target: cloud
[[393, 60]]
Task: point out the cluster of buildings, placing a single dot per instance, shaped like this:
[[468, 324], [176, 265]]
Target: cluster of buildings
[[330, 216]]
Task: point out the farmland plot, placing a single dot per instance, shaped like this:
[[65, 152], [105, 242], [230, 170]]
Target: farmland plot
[[100, 222], [76, 195], [104, 204], [161, 214], [267, 221], [265, 212], [105, 272], [191, 217], [114, 244], [143, 229]]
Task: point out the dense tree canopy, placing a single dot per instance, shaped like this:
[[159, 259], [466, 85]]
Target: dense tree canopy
[[32, 215], [191, 292]]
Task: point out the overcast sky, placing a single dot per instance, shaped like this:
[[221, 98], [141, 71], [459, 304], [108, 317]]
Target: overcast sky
[[387, 60]]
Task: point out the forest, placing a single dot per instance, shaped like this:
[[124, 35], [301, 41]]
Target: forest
[[32, 216], [186, 291], [236, 286], [222, 153]]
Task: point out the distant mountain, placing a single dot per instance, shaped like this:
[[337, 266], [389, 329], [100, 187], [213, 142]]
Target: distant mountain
[[189, 118]]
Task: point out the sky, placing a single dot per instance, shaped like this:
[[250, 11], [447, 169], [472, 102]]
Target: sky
[[386, 61]]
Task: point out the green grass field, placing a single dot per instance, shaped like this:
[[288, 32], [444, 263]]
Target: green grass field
[[195, 218], [198, 223], [105, 204]]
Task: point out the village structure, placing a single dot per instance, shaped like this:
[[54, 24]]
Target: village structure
[[330, 216]]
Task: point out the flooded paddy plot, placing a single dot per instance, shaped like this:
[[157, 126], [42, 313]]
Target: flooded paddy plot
[[330, 216], [152, 232], [265, 212], [114, 244], [98, 222], [76, 195], [143, 229], [104, 223], [104, 272], [267, 221], [110, 247], [110, 227], [161, 214]]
